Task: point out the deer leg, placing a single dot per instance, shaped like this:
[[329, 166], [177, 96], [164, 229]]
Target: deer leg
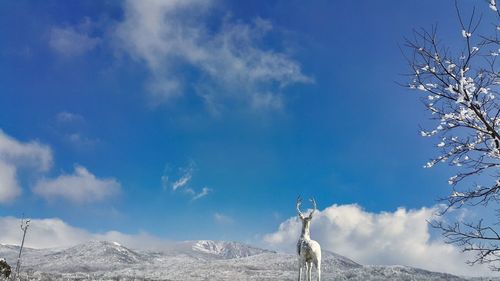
[[317, 263], [309, 268], [300, 270], [306, 270]]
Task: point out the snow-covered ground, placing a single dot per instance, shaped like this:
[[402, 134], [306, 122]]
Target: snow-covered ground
[[194, 260]]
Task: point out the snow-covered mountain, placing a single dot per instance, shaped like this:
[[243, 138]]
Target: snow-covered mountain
[[221, 249], [88, 257], [194, 260], [11, 252]]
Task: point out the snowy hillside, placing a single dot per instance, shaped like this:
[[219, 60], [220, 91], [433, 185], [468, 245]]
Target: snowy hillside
[[194, 260], [223, 249]]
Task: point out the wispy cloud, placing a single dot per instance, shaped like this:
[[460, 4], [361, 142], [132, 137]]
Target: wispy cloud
[[73, 128], [183, 181], [15, 155], [165, 181], [182, 184], [69, 117], [204, 192], [222, 218], [73, 40], [79, 140], [231, 60], [79, 187]]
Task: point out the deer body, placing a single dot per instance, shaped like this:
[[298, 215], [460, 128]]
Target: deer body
[[308, 250]]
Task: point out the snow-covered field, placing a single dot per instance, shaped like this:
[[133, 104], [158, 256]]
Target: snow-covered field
[[194, 260]]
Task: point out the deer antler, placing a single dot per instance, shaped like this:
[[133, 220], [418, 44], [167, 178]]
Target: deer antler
[[314, 207], [299, 201]]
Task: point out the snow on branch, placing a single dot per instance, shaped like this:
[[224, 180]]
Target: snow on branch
[[460, 89]]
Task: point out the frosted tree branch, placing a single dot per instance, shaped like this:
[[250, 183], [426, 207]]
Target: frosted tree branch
[[460, 90]]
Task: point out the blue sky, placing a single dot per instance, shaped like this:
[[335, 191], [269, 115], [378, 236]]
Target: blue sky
[[252, 104]]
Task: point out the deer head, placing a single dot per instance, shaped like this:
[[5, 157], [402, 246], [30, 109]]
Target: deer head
[[306, 220]]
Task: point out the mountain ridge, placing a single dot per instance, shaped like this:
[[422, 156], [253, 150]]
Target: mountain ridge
[[196, 260]]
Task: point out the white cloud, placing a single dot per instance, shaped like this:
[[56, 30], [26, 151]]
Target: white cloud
[[15, 155], [79, 187], [30, 154], [82, 186], [231, 63], [399, 237], [53, 232], [222, 219], [43, 233], [73, 41], [9, 188]]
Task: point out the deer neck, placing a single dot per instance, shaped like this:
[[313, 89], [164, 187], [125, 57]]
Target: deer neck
[[306, 234]]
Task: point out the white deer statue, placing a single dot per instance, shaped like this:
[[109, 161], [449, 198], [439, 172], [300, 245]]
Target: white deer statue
[[309, 251]]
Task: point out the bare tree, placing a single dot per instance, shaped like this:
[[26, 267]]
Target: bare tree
[[460, 87], [24, 227]]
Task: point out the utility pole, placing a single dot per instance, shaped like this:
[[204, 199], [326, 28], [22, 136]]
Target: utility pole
[[24, 228]]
